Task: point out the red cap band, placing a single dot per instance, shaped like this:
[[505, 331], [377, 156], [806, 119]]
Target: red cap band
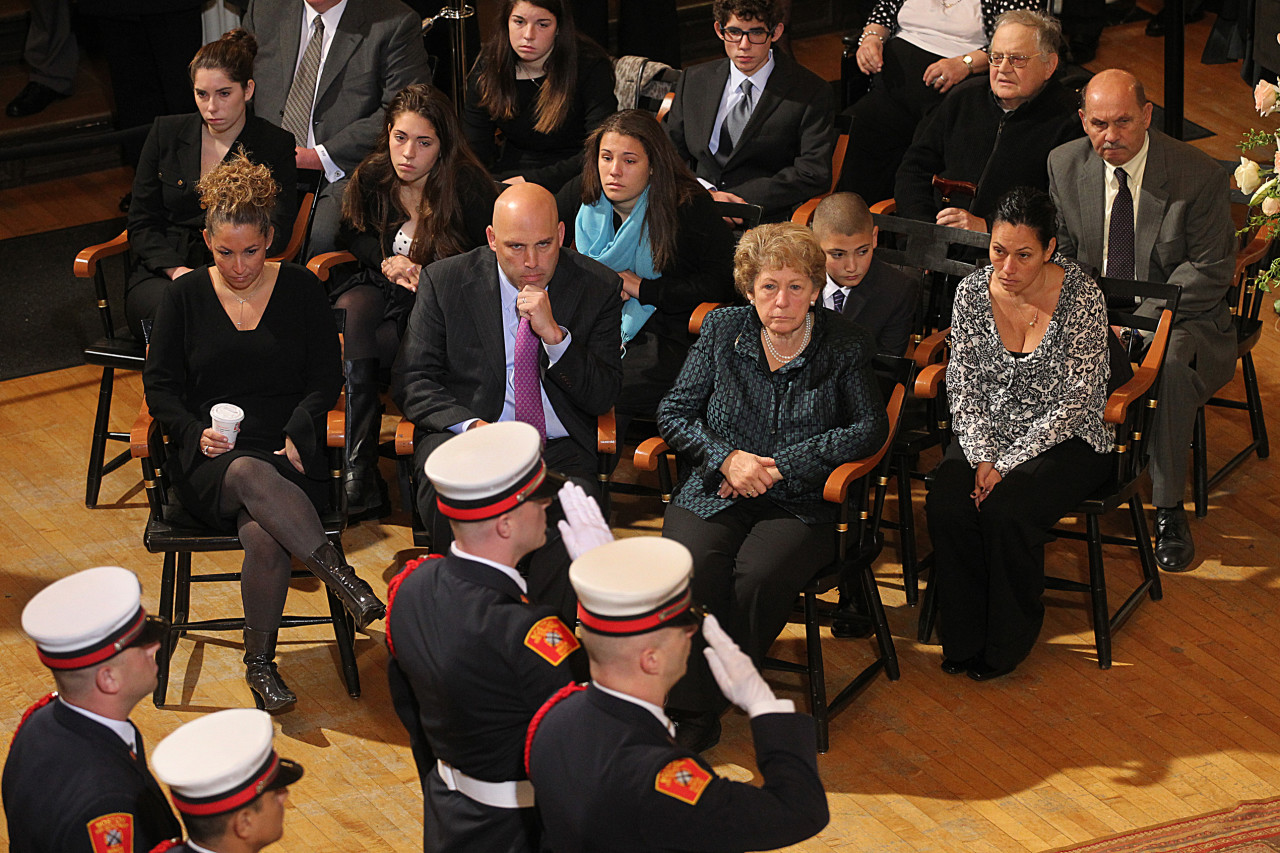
[[636, 624], [108, 646], [231, 800], [493, 505]]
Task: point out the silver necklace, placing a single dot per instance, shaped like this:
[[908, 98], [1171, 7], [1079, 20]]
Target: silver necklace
[[804, 342], [252, 293]]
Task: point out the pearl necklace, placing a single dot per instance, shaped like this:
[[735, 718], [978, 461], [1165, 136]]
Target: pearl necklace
[[804, 342]]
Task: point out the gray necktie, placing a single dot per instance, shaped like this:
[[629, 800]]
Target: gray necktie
[[734, 122], [302, 94]]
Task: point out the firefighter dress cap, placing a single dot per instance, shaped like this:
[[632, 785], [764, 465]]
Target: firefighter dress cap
[[489, 470], [222, 762], [633, 586], [88, 617]]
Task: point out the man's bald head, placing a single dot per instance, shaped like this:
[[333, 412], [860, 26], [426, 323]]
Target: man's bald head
[[1116, 114], [526, 234]]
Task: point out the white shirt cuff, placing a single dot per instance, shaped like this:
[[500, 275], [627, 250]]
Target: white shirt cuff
[[331, 170], [710, 187], [777, 706], [554, 351], [463, 426]]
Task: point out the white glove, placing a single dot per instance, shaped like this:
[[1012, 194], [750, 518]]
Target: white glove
[[737, 676], [583, 527]]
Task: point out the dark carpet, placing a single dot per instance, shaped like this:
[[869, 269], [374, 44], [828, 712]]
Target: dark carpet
[[50, 315]]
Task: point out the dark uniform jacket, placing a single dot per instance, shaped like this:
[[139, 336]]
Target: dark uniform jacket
[[71, 785], [610, 778], [970, 137]]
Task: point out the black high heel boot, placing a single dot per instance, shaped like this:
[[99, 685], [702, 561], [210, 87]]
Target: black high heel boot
[[366, 490], [270, 693], [328, 564]]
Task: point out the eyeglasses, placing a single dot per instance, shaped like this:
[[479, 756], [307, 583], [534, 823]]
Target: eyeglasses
[[755, 35], [997, 59]]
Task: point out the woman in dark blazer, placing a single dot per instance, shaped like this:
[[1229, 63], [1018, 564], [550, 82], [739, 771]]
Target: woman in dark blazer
[[165, 217], [544, 86], [771, 398]]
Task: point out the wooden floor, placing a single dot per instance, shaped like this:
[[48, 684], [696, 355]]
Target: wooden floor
[[1186, 721]]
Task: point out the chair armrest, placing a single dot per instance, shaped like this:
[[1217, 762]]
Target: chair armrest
[[336, 428], [404, 437], [298, 232], [805, 211], [838, 483], [887, 206], [700, 313], [1144, 377], [932, 349], [646, 456], [929, 381], [607, 433], [86, 263], [140, 433], [321, 265]]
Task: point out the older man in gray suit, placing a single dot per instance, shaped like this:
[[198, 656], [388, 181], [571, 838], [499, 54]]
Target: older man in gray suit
[[1134, 203], [325, 70]]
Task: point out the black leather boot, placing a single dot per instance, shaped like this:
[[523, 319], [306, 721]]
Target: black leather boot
[[270, 693], [366, 490], [328, 564]]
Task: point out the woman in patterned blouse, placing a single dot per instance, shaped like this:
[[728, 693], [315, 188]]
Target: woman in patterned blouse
[[1027, 382], [771, 398]]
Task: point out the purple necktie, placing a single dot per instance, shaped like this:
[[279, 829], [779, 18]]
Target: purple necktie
[[837, 300], [526, 380]]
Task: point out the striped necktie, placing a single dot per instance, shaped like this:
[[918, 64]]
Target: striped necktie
[[302, 94]]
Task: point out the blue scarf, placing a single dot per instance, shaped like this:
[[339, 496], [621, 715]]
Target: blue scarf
[[628, 249]]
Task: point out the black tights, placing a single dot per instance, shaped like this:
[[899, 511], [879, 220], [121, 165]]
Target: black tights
[[274, 518], [368, 333]]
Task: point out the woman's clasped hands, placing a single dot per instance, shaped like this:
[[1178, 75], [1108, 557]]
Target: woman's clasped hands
[[747, 475]]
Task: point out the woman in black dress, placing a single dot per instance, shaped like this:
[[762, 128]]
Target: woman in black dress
[[544, 86], [165, 217], [261, 336], [420, 196]]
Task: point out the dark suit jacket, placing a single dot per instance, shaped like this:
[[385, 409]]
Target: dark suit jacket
[[784, 156], [165, 216], [452, 363], [885, 302], [375, 53]]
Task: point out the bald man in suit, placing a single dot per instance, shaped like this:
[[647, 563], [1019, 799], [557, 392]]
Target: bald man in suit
[[1182, 234]]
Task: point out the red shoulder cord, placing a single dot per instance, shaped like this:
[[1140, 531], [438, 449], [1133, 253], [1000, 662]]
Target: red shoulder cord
[[393, 586], [166, 845], [39, 703], [556, 698]]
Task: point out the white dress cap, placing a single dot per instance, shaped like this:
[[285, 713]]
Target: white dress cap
[[83, 610], [632, 585], [486, 461]]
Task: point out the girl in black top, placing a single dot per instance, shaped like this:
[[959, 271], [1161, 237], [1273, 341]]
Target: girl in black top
[[544, 86], [420, 196]]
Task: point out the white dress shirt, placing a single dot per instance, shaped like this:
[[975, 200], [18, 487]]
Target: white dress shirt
[[331, 19], [648, 706], [830, 288], [1134, 170], [730, 97], [123, 728]]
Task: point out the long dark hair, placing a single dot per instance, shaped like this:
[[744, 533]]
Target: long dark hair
[[497, 68], [372, 202], [671, 184]]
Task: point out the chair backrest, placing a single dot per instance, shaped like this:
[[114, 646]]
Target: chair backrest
[[1244, 297], [309, 181], [926, 246]]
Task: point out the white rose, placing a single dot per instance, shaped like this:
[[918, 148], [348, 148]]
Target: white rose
[[1264, 98], [1248, 176], [1271, 205]]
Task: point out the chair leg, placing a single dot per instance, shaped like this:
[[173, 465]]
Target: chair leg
[[1200, 466], [907, 534], [929, 608], [1257, 421], [406, 488], [1098, 590], [817, 673], [98, 447], [167, 576], [1146, 553], [182, 591], [884, 638]]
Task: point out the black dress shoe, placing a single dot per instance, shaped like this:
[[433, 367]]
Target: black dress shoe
[[33, 98], [1174, 548], [698, 732], [1159, 25], [955, 667], [980, 670], [848, 622]]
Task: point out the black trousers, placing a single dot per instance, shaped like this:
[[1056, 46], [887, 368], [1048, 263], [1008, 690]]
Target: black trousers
[[884, 120], [454, 823], [750, 562], [546, 569], [989, 563]]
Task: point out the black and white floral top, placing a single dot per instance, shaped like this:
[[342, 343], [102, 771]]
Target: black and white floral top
[[1008, 409], [885, 13]]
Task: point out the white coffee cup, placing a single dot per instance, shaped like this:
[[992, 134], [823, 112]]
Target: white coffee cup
[[226, 420]]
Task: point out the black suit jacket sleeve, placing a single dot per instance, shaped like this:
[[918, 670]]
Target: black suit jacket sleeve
[[423, 362], [590, 370]]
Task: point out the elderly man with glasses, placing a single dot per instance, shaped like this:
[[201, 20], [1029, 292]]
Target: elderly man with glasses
[[995, 133], [755, 126]]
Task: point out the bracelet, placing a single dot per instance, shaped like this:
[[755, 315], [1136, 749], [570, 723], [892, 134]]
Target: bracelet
[[866, 33]]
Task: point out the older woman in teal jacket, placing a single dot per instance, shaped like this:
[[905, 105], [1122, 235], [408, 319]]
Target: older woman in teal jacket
[[772, 397]]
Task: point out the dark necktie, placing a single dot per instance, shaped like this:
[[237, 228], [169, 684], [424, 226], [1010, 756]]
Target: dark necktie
[[302, 94], [525, 379], [734, 123], [1120, 232], [837, 300]]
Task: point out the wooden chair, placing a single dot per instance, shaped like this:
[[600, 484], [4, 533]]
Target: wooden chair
[[1129, 408], [1245, 299], [858, 544], [120, 351], [804, 213], [173, 532]]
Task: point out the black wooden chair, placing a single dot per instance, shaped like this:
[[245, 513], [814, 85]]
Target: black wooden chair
[[1245, 299], [858, 487], [118, 350], [1129, 409], [176, 534]]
